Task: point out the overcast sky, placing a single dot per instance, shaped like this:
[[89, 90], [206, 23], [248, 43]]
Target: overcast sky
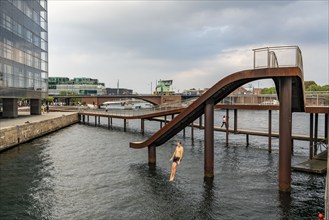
[[194, 43]]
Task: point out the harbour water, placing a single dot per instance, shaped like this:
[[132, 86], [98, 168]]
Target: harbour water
[[87, 172]]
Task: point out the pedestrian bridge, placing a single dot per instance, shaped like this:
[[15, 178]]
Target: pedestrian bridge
[[289, 84]]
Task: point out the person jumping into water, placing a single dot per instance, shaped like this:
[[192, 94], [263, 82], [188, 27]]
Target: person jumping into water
[[176, 159]]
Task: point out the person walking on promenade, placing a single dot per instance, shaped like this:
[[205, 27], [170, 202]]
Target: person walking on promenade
[[176, 159], [224, 121], [42, 109]]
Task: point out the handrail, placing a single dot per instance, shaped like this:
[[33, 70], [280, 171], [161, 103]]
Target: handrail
[[273, 60]]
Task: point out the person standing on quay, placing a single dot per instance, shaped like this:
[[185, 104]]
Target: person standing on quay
[[176, 159]]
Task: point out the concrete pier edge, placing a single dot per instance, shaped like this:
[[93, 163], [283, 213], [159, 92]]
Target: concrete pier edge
[[11, 136]]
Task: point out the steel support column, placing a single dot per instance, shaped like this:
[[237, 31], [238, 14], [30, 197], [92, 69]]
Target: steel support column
[[311, 135], [227, 125], [316, 129], [326, 127], [326, 202], [192, 131], [270, 131], [209, 140], [142, 126], [152, 155], [285, 134], [235, 121], [124, 125]]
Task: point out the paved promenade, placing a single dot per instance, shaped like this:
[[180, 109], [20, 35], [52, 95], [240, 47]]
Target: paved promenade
[[24, 117]]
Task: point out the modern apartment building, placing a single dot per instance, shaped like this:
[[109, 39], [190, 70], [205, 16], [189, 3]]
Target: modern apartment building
[[23, 54], [77, 86]]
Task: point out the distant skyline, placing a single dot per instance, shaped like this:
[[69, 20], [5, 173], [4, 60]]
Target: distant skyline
[[194, 43]]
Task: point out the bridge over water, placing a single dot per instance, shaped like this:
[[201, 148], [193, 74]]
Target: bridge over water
[[289, 82]]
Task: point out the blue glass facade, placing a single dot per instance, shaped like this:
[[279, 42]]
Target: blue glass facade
[[23, 49]]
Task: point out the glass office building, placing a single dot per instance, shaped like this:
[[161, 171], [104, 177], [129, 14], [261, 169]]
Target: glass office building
[[23, 54]]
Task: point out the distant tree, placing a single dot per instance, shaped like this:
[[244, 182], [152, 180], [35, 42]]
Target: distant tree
[[307, 84], [64, 92], [313, 87], [270, 90], [50, 99], [325, 88]]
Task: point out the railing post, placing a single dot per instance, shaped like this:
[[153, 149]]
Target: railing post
[[268, 57]]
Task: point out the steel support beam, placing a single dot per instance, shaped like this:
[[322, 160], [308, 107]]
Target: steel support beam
[[209, 140], [285, 120]]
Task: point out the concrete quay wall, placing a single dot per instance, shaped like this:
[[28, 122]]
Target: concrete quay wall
[[14, 135]]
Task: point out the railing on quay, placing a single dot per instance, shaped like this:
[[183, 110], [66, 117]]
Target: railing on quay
[[130, 112]]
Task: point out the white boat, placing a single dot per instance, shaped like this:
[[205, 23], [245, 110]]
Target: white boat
[[138, 104], [117, 105]]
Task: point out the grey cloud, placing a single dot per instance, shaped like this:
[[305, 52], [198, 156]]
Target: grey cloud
[[175, 36]]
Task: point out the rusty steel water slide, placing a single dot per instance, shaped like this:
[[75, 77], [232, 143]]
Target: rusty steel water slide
[[227, 85]]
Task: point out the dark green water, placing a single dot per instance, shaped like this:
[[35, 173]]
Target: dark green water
[[86, 172]]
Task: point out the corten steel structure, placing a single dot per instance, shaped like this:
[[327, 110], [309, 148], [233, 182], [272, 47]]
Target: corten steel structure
[[289, 84], [23, 54]]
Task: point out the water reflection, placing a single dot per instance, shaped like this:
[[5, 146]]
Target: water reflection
[[26, 180], [206, 205], [285, 205]]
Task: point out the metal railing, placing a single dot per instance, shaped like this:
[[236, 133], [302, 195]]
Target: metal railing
[[280, 56]]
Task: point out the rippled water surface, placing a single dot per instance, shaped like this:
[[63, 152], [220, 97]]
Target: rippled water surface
[[86, 172]]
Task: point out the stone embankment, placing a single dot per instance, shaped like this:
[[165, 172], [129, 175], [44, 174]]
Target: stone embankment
[[23, 129]]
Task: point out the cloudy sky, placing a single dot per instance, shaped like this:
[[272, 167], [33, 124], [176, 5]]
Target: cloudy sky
[[194, 43]]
